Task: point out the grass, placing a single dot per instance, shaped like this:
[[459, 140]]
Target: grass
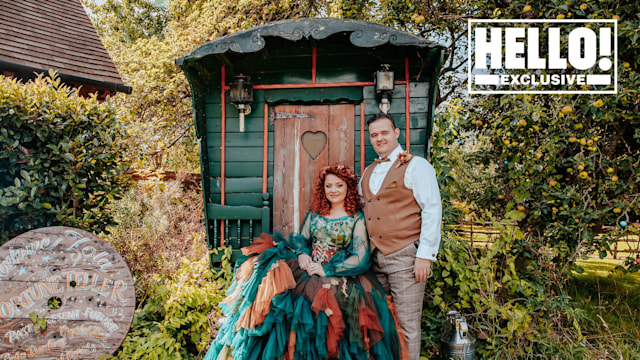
[[610, 300]]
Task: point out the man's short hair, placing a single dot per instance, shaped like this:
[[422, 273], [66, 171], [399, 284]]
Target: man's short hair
[[379, 116]]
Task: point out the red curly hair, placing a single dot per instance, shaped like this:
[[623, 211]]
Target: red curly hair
[[319, 202]]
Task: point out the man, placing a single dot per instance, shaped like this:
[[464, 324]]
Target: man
[[403, 212]]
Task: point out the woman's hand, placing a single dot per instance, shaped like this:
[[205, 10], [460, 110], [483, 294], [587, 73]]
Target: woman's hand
[[316, 269], [304, 261]]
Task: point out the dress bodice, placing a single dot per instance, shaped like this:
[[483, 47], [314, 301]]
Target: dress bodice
[[330, 235], [340, 245]]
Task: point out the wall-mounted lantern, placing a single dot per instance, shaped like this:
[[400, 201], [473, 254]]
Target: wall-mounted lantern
[[384, 86], [241, 95]]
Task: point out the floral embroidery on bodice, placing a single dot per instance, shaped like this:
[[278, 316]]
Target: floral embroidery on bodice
[[329, 236]]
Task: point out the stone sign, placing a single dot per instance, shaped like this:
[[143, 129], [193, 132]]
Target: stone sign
[[64, 294]]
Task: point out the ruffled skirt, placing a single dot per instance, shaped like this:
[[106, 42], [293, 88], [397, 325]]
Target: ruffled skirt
[[275, 310]]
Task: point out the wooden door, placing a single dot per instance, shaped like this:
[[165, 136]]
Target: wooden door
[[306, 138]]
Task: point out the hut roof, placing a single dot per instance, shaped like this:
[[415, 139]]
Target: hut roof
[[363, 34], [38, 36]]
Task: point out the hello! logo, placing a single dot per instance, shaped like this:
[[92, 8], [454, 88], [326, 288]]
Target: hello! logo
[[536, 56]]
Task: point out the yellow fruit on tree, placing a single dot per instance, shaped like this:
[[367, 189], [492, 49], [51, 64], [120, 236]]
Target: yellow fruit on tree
[[583, 175], [566, 109], [526, 8], [614, 178], [617, 210], [610, 170], [598, 103]]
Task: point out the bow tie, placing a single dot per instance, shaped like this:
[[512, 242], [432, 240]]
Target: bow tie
[[378, 160]]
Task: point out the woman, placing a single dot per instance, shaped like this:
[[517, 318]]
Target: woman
[[311, 296]]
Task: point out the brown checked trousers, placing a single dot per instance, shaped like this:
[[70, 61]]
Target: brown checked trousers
[[395, 273]]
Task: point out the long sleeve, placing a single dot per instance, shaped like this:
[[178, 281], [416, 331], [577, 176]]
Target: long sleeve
[[301, 242], [355, 259], [421, 179]]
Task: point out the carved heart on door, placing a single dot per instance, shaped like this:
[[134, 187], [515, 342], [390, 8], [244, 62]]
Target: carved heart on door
[[313, 142]]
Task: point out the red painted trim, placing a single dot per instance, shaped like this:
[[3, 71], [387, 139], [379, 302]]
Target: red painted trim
[[314, 63], [265, 147], [222, 148], [316, 85], [406, 105], [361, 138]]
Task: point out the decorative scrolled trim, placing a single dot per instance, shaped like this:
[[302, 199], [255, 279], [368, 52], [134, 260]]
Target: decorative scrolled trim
[[363, 34]]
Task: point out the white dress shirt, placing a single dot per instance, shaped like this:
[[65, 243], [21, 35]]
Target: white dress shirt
[[420, 178]]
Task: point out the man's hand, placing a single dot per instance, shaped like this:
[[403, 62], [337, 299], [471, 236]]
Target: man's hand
[[422, 269], [304, 261]]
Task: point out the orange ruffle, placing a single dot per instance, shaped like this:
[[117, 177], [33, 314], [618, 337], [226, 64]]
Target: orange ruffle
[[259, 244], [291, 346], [276, 281], [404, 352], [326, 301], [370, 326], [245, 270]]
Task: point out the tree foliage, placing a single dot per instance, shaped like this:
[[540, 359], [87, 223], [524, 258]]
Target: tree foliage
[[569, 163], [60, 157]]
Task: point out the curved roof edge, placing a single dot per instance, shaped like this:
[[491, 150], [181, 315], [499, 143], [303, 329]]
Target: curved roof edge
[[363, 34]]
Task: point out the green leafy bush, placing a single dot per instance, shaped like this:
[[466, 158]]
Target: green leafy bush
[[514, 298], [175, 318], [60, 157], [160, 234]]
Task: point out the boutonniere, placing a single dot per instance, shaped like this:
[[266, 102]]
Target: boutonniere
[[393, 185], [404, 158]]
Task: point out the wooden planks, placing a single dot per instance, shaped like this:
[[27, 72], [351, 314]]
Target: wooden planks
[[295, 171], [74, 281]]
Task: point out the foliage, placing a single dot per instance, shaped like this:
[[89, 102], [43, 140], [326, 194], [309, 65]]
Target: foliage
[[462, 178], [60, 157], [569, 163], [160, 234], [173, 320], [509, 294], [158, 225]]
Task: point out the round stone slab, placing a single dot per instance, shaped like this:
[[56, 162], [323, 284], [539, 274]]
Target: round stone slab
[[64, 294]]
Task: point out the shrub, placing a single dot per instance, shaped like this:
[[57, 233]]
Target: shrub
[[158, 225], [160, 234], [174, 320], [514, 296], [60, 157]]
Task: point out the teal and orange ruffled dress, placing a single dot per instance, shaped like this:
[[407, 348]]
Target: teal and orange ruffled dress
[[275, 310]]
